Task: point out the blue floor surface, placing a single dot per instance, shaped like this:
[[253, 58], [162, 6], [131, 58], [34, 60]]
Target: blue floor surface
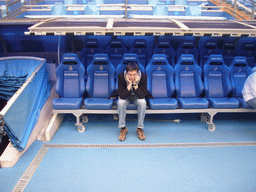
[[151, 169], [10, 176], [228, 169]]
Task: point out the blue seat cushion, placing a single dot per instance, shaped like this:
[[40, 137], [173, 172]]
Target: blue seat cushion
[[163, 103], [71, 84], [224, 102], [100, 84], [67, 103], [187, 84], [243, 103], [215, 84], [98, 103], [238, 80], [193, 103], [159, 87]]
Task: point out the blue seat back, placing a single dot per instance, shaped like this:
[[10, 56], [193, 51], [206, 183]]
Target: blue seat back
[[70, 77], [228, 52], [101, 72], [210, 47], [239, 73], [248, 50], [160, 76], [140, 48], [92, 8], [59, 9], [115, 50], [216, 77], [70, 2], [128, 57], [188, 47], [188, 76], [165, 47], [92, 47]]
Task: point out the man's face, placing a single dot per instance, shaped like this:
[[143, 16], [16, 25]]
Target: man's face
[[132, 75]]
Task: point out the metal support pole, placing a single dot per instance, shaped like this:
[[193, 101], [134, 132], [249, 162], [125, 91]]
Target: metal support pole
[[235, 5], [253, 10], [126, 9]]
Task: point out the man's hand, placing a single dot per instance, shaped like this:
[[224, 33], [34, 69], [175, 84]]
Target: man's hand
[[128, 79], [129, 86], [135, 86], [137, 78]]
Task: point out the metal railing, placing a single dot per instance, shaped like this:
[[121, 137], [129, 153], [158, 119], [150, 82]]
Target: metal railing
[[251, 10], [33, 6]]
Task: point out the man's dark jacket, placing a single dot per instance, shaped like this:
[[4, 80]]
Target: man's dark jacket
[[141, 92]]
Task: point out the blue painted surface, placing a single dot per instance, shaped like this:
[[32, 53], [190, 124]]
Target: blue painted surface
[[180, 169], [10, 176], [161, 169], [158, 169]]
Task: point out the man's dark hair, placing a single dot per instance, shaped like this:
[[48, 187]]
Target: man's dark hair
[[132, 66]]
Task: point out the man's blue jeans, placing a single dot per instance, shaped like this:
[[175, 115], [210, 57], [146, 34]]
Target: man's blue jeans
[[122, 106], [252, 103]]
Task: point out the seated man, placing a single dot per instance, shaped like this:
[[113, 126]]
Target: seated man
[[249, 90], [132, 87]]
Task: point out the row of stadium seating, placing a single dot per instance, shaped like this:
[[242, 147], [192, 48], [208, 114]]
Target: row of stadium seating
[[221, 85], [140, 2], [115, 49], [246, 5], [156, 8]]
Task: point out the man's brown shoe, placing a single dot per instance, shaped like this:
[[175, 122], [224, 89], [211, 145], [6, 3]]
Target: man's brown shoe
[[141, 134], [122, 135]]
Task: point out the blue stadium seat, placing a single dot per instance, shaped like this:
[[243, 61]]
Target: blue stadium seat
[[193, 9], [210, 47], [160, 83], [241, 1], [154, 2], [140, 47], [165, 47], [128, 57], [115, 50], [180, 2], [92, 47], [188, 83], [160, 9], [239, 73], [59, 9], [188, 47], [70, 83], [248, 50], [229, 52], [248, 4], [70, 2], [92, 8], [100, 83], [217, 83], [99, 2]]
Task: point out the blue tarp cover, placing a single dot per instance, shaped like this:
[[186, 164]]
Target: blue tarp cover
[[21, 117]]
